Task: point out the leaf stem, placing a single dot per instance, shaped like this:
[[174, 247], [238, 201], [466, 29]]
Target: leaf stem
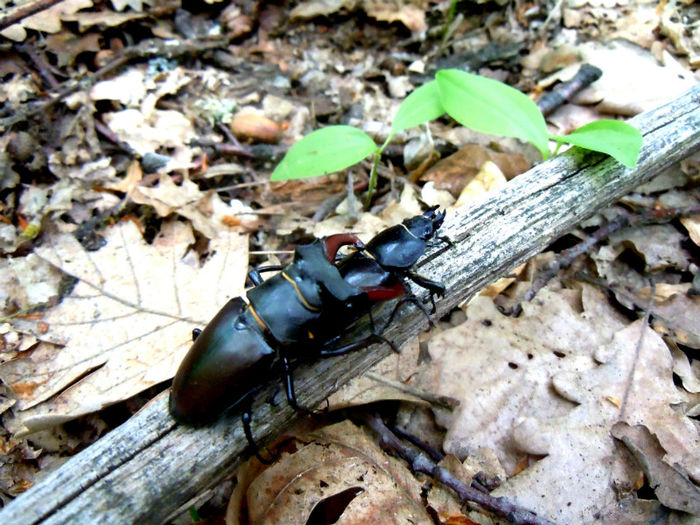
[[373, 173]]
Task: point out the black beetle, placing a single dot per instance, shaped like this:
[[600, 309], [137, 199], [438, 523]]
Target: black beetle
[[297, 314]]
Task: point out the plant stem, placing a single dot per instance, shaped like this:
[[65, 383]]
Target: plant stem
[[373, 173]]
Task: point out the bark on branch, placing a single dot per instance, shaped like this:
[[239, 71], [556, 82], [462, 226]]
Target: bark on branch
[[150, 467]]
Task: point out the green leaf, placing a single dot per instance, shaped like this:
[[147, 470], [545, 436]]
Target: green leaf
[[324, 151], [489, 106], [613, 137], [422, 105]]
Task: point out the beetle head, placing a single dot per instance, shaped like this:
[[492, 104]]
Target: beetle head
[[426, 225]]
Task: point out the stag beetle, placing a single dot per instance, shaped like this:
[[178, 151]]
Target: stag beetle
[[298, 314]]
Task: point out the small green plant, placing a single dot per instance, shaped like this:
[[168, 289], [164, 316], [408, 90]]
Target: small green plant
[[480, 103]]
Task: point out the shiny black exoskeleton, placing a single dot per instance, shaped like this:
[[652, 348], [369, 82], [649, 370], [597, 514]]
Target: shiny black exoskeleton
[[297, 314], [387, 259]]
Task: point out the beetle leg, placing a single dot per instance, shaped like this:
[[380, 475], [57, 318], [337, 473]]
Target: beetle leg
[[358, 345], [291, 395], [272, 400], [246, 418], [433, 287], [288, 378], [334, 242], [441, 239], [385, 293], [256, 278], [414, 300], [195, 333]]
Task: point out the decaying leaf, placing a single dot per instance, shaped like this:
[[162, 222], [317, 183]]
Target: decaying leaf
[[126, 324], [47, 21], [208, 213], [672, 487], [632, 80], [337, 468], [410, 15], [453, 173], [679, 317], [634, 384], [552, 383], [67, 46], [508, 364]]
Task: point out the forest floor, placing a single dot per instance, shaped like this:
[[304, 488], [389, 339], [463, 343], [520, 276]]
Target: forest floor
[[138, 139]]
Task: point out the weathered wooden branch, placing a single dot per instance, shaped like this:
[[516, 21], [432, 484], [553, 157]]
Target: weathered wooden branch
[[147, 469]]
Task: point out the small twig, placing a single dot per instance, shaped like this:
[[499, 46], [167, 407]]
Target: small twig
[[271, 252], [435, 454], [223, 148], [435, 400], [23, 12], [227, 132], [420, 462], [561, 93], [649, 216], [40, 63], [241, 185]]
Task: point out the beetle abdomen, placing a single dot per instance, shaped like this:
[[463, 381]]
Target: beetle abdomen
[[227, 360]]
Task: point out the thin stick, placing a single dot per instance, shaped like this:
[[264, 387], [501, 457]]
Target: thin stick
[[420, 462]]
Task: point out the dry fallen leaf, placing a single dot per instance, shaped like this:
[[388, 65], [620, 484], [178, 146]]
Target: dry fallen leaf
[[634, 384], [207, 212], [672, 487], [102, 18], [339, 466], [501, 368], [127, 321], [684, 35], [47, 21], [488, 179], [659, 244], [552, 383], [67, 46], [679, 317], [410, 15], [632, 80], [692, 224], [26, 282], [453, 173], [658, 247]]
